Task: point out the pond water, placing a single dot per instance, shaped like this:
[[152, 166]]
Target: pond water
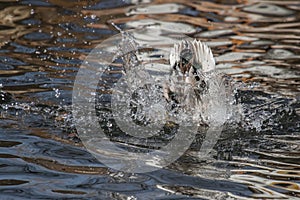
[[43, 45]]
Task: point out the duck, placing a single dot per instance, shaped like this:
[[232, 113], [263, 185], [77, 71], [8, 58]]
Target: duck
[[189, 61], [193, 85]]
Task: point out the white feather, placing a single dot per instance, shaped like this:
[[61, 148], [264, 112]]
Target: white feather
[[202, 55]]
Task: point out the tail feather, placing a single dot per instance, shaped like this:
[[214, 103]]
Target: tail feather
[[202, 57]]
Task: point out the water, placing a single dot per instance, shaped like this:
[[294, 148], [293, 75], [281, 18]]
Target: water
[[43, 45]]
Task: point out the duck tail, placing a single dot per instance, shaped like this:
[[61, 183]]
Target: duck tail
[[201, 58]]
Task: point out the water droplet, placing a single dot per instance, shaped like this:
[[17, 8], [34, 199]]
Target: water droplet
[[57, 93], [109, 124], [93, 16]]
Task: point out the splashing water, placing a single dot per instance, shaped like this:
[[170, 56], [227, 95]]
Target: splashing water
[[144, 95], [222, 99]]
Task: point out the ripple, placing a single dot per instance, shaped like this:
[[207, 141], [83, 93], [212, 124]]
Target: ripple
[[36, 36], [170, 27], [155, 9], [281, 54], [234, 56], [268, 9]]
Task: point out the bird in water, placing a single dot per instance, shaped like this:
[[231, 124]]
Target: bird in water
[[193, 85], [189, 61]]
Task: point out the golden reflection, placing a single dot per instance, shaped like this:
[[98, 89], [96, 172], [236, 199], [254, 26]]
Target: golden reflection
[[10, 15], [8, 18]]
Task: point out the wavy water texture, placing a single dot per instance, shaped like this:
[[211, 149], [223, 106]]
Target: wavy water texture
[[43, 44]]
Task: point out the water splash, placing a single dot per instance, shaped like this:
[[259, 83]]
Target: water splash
[[147, 103], [150, 102]]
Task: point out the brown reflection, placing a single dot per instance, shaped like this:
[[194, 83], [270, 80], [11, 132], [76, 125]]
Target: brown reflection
[[25, 89], [56, 166], [69, 192], [8, 143], [4, 182], [44, 134], [71, 4]]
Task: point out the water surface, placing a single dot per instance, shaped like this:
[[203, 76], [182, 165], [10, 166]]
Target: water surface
[[43, 44]]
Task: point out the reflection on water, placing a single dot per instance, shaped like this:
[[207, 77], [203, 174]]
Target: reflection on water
[[42, 46]]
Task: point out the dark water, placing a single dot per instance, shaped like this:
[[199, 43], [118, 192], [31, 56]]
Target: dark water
[[43, 44]]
